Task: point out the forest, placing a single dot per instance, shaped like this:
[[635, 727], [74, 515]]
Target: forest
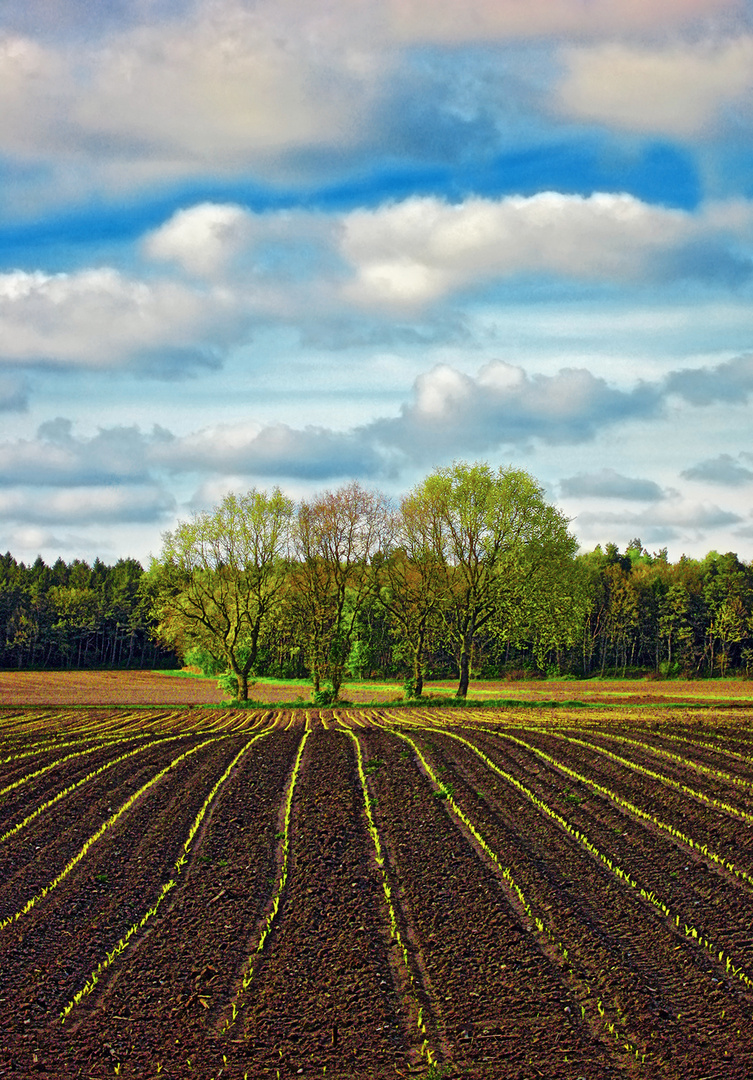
[[72, 615], [473, 575]]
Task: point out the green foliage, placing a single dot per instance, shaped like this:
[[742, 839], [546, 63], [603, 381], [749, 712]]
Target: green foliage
[[198, 657], [474, 573], [322, 698]]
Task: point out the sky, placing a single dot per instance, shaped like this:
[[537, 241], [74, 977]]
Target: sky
[[259, 243]]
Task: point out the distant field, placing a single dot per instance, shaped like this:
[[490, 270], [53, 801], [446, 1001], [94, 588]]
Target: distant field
[[166, 688], [475, 894], [104, 688]]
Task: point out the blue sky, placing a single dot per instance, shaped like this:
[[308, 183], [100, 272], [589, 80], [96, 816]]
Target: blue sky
[[284, 243]]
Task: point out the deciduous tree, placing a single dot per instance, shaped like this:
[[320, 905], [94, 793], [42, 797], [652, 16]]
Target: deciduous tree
[[221, 578], [494, 536]]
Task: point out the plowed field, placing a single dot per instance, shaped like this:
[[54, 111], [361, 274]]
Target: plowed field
[[366, 893]]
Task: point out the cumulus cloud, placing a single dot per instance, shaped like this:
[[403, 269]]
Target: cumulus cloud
[[219, 85], [723, 470], [57, 457], [731, 381], [100, 318], [420, 249], [274, 450], [679, 89], [335, 274], [608, 484], [675, 519], [202, 238], [501, 406], [505, 406], [34, 84], [479, 20], [80, 506]]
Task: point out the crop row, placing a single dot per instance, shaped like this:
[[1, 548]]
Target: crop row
[[372, 892]]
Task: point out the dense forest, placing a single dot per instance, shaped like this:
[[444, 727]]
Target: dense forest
[[72, 615], [389, 607], [631, 613]]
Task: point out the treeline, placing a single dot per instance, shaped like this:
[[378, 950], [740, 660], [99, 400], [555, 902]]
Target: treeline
[[631, 613], [72, 615], [692, 618], [473, 574]]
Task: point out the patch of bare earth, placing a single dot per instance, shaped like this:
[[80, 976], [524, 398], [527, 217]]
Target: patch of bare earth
[[104, 688]]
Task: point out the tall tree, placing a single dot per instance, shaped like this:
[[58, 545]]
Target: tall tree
[[337, 534], [494, 536], [221, 579], [413, 583]]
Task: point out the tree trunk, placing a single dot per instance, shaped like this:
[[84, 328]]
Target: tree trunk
[[418, 665], [243, 686], [418, 677], [336, 678], [465, 671]]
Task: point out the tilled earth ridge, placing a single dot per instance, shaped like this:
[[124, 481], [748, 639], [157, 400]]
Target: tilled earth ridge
[[617, 943], [546, 962]]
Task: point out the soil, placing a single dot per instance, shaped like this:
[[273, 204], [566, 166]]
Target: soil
[[157, 688], [585, 913], [104, 688]]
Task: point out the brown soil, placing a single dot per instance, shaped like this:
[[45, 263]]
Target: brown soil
[[104, 688], [526, 899], [75, 688]]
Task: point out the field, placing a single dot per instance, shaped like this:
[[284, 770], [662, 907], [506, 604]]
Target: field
[[176, 688], [486, 893]]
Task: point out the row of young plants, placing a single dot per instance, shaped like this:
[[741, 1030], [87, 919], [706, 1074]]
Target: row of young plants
[[644, 816], [590, 999], [417, 991], [735, 755], [680, 759], [50, 766], [625, 877], [180, 863], [97, 835], [282, 877], [49, 803], [662, 778]]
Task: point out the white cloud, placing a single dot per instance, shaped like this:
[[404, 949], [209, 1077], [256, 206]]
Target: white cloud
[[220, 86], [202, 238], [684, 524], [79, 506], [417, 250], [274, 450], [722, 470], [609, 484], [503, 406], [679, 89], [479, 20], [34, 89], [102, 319], [56, 457]]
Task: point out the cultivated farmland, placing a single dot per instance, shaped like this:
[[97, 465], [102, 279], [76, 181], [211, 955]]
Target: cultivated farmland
[[493, 893]]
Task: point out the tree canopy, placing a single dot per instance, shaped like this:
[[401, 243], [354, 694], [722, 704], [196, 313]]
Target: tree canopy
[[220, 579], [473, 574]]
